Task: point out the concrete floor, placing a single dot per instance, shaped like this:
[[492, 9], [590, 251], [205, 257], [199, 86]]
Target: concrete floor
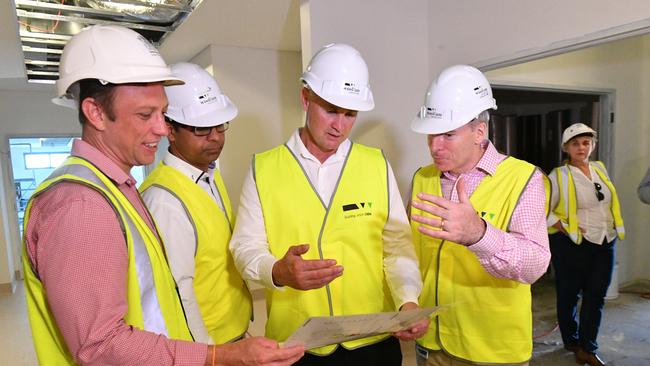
[[624, 337]]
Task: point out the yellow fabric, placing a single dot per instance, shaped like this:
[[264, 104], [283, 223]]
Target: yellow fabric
[[223, 298], [567, 206], [348, 230], [490, 320], [48, 342]]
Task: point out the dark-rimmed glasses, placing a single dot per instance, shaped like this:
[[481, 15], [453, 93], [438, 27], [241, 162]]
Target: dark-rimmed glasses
[[201, 131], [599, 194]]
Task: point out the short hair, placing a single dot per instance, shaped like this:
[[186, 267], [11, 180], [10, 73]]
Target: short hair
[[103, 93], [483, 117]]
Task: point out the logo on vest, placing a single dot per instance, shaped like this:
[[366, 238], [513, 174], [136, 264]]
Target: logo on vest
[[489, 216], [352, 210]]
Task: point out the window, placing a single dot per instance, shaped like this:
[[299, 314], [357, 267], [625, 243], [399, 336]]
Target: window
[[44, 160]]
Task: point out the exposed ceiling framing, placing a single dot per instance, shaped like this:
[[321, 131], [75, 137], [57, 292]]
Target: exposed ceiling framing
[[47, 25]]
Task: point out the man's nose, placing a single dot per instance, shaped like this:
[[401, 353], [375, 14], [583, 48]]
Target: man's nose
[[160, 127]]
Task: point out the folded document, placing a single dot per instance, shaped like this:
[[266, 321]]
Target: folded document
[[326, 330]]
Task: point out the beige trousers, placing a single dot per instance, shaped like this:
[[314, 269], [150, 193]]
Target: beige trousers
[[439, 358]]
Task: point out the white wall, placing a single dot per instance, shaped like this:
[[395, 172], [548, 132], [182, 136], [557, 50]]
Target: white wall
[[265, 86], [619, 66], [24, 114], [392, 37], [483, 33]]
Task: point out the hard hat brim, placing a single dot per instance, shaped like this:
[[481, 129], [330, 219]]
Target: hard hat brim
[[214, 118], [353, 105], [431, 126]]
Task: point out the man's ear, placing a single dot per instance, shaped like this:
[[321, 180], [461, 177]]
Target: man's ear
[[480, 132], [94, 113], [171, 135], [304, 98]]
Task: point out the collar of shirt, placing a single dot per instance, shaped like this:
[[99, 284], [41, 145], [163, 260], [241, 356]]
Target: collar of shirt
[[487, 164], [84, 150], [184, 167], [296, 145]]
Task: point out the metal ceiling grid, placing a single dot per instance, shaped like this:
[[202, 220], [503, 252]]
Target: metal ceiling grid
[[47, 25]]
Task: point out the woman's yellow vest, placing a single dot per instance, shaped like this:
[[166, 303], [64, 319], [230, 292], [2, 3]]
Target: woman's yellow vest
[[152, 295], [223, 298], [567, 207], [490, 320], [348, 229]]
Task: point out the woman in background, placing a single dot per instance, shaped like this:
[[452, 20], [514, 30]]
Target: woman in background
[[584, 224]]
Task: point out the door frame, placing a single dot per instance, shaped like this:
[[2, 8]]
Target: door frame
[[607, 99]]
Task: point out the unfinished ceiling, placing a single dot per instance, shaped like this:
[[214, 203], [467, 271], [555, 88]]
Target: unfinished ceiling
[[45, 26]]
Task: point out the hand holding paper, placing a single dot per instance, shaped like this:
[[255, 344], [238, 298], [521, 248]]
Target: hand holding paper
[[416, 330]]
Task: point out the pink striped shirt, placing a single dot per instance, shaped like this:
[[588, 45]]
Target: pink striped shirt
[[522, 252], [78, 250]]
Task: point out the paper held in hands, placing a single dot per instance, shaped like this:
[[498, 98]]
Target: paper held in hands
[[326, 330]]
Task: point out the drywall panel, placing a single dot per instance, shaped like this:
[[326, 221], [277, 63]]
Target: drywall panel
[[489, 32], [392, 37], [265, 86]]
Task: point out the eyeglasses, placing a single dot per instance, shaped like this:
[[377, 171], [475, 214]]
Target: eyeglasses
[[201, 131], [599, 194]]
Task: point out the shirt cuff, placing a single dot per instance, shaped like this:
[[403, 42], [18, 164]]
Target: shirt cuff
[[266, 273], [408, 294], [489, 243], [190, 353]]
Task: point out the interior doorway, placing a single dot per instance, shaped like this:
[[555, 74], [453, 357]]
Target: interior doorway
[[528, 123]]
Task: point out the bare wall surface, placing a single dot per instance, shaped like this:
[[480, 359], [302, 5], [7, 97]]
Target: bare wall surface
[[392, 37], [487, 32], [265, 86], [620, 66]]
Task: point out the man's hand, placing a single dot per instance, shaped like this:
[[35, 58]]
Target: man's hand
[[301, 274], [417, 330], [457, 222], [255, 351]]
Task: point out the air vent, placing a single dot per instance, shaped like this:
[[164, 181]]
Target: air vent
[[46, 26]]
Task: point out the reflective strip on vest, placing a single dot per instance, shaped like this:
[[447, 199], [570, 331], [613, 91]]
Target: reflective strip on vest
[[567, 208], [490, 320], [226, 317], [151, 313], [574, 232], [348, 229]]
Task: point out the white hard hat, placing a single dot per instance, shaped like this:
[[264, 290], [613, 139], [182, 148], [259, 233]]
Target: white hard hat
[[456, 97], [575, 130], [199, 102], [111, 54], [338, 74]]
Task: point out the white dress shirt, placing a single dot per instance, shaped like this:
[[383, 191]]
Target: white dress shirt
[[179, 237], [250, 247], [594, 217]]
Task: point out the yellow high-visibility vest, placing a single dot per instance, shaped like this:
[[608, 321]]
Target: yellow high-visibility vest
[[223, 298], [348, 229], [154, 305], [490, 320], [567, 206]]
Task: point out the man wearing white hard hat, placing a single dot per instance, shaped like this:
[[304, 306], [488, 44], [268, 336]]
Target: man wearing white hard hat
[[479, 228], [99, 290], [321, 224], [188, 199]]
